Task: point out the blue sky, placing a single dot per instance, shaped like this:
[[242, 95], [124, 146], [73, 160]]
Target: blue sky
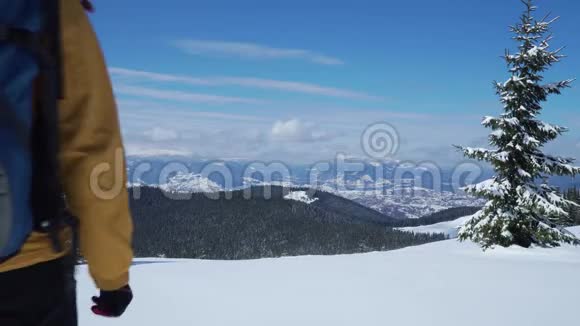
[[299, 80]]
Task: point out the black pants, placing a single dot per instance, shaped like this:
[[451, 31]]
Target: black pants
[[39, 295]]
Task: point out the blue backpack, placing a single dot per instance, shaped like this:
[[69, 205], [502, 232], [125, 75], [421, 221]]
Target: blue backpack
[[30, 193]]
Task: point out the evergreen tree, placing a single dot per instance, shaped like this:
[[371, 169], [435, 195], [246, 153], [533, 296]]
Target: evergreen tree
[[522, 207]]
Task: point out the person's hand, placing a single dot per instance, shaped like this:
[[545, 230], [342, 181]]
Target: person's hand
[[88, 5], [112, 303]]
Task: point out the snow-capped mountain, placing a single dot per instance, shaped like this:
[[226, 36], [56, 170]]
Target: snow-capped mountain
[[190, 183], [249, 182]]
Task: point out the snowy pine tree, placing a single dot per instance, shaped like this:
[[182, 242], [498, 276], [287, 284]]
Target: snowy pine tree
[[522, 207]]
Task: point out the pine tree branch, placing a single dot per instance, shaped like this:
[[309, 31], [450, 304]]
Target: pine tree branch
[[555, 19], [546, 16]]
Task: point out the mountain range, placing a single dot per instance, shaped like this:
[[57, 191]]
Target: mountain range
[[413, 193]]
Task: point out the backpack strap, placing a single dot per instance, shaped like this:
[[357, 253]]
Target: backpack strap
[[47, 198], [20, 37]]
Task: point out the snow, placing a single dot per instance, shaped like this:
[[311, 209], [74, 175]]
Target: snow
[[530, 140], [301, 196], [407, 201], [440, 284], [473, 151], [491, 187], [487, 119], [502, 156], [513, 121], [575, 230], [450, 228], [190, 183], [523, 173], [546, 127], [249, 182], [534, 51], [366, 178], [498, 133]]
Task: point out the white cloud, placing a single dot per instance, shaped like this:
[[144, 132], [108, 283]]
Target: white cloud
[[181, 96], [314, 134], [139, 75], [253, 51], [148, 150], [123, 74], [298, 131], [160, 134]]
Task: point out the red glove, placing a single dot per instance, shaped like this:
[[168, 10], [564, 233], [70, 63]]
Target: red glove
[[88, 5], [112, 303]]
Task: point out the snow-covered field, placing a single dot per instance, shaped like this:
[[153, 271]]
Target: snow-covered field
[[443, 283]]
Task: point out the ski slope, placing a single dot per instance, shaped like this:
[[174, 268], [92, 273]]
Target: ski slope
[[444, 283]]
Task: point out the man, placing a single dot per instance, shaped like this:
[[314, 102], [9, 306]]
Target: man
[[37, 285]]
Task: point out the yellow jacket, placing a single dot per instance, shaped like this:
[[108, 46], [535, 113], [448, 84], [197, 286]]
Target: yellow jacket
[[91, 160]]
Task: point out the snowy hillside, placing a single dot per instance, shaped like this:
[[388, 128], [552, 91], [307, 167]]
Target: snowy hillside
[[448, 228], [440, 284], [451, 228]]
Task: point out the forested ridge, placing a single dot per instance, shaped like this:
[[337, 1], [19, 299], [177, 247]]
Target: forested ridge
[[234, 225]]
